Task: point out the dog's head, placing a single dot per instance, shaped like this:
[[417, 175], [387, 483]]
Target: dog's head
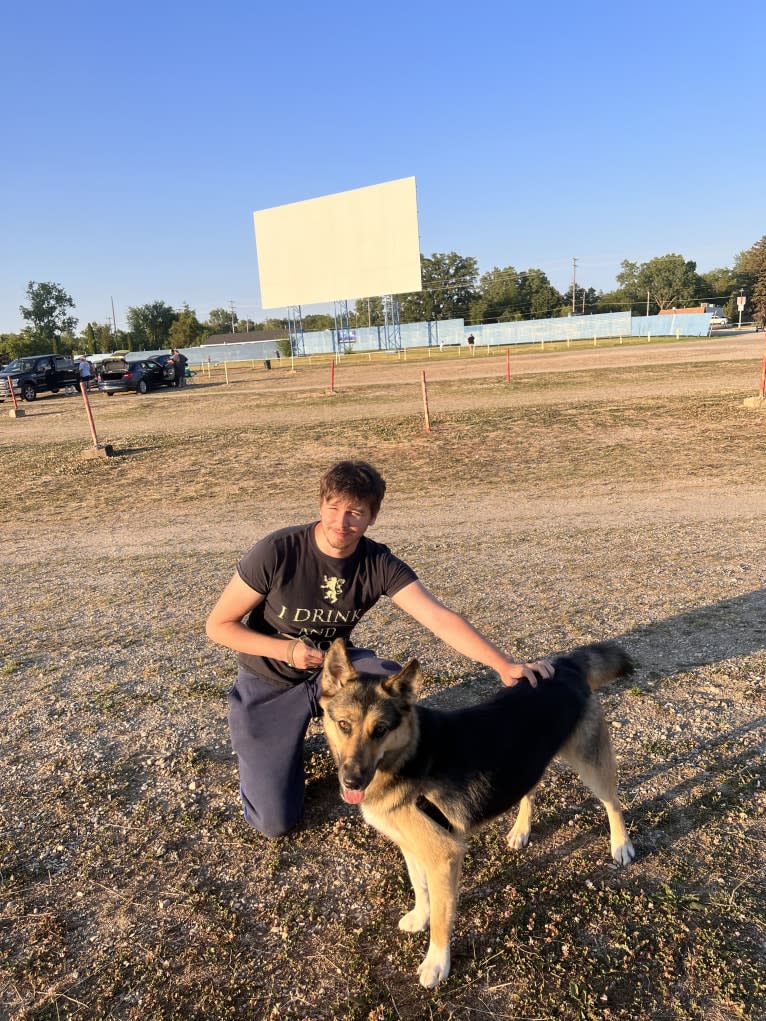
[[368, 720]]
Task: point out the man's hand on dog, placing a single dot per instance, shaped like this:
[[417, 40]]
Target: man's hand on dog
[[306, 656], [512, 673]]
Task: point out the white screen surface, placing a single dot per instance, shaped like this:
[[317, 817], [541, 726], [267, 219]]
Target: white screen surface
[[353, 244]]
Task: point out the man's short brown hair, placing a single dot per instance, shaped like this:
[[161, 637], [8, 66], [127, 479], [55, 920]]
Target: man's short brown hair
[[355, 479]]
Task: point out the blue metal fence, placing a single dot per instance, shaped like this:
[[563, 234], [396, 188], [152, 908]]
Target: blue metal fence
[[685, 324], [532, 331], [535, 331], [372, 338], [245, 351], [450, 332]]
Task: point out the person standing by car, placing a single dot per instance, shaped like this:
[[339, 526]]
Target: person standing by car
[[296, 591], [179, 365], [176, 362], [86, 375]]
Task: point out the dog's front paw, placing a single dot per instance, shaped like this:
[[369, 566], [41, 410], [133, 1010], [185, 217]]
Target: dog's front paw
[[414, 921], [623, 854], [435, 967], [518, 837]]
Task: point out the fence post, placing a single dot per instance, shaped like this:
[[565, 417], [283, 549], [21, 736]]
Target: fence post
[[98, 450], [17, 411], [427, 417]]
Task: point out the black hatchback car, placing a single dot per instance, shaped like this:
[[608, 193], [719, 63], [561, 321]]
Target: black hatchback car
[[117, 375]]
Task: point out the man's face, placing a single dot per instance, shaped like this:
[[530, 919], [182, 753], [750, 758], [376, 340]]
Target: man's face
[[342, 523]]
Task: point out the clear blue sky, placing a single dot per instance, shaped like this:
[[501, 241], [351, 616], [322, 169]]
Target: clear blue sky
[[138, 138]]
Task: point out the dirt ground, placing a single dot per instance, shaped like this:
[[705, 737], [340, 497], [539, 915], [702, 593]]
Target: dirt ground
[[607, 492], [268, 402]]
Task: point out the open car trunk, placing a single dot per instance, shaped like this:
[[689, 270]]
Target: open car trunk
[[113, 368]]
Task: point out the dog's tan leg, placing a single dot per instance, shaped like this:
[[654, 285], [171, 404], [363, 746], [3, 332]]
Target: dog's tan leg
[[417, 919], [518, 835], [443, 881], [590, 753]]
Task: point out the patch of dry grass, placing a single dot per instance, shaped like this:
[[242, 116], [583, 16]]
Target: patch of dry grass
[[130, 887]]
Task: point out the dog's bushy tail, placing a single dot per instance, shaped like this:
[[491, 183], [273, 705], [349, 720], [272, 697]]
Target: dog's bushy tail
[[602, 663]]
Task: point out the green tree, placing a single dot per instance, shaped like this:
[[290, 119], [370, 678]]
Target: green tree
[[720, 287], [628, 280], [538, 295], [187, 330], [97, 338], [25, 342], [449, 287], [14, 345], [318, 321], [585, 300], [719, 284], [368, 312], [616, 301], [123, 341], [221, 320], [48, 313], [150, 324], [504, 295], [499, 298], [669, 281], [751, 268]]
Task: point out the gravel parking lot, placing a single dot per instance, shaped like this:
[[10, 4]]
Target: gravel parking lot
[[601, 493]]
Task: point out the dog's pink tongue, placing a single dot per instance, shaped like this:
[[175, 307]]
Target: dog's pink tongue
[[352, 797]]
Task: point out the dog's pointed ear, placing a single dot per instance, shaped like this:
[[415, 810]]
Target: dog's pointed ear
[[405, 684], [337, 669]]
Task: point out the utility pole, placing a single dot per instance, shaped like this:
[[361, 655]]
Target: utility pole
[[574, 283], [647, 303], [231, 306]]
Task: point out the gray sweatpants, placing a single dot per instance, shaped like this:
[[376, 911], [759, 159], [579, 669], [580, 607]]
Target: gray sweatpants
[[268, 726]]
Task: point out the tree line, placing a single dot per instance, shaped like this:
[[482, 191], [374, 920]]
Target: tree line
[[52, 327], [452, 289]]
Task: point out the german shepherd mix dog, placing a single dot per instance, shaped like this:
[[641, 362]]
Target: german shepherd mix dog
[[427, 778]]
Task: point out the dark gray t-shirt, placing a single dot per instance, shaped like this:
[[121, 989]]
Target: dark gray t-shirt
[[311, 595]]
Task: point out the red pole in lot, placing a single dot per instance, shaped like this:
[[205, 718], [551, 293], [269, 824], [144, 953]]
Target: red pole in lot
[[13, 393], [427, 417], [89, 413], [762, 391], [507, 365], [332, 377]]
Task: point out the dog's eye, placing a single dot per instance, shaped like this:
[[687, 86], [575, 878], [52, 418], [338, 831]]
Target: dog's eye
[[343, 726], [379, 730]]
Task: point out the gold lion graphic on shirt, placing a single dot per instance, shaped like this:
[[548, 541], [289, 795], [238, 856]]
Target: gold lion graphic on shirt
[[332, 588]]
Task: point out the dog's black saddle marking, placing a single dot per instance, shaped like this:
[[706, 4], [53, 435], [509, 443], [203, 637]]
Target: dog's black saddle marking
[[429, 808]]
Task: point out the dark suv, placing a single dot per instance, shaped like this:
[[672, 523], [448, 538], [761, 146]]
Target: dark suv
[[117, 375], [35, 374]]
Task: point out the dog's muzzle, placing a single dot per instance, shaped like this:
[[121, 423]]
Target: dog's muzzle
[[353, 780], [351, 796]]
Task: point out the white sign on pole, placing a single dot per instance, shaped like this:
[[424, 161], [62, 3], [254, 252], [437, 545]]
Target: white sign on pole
[[741, 300]]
